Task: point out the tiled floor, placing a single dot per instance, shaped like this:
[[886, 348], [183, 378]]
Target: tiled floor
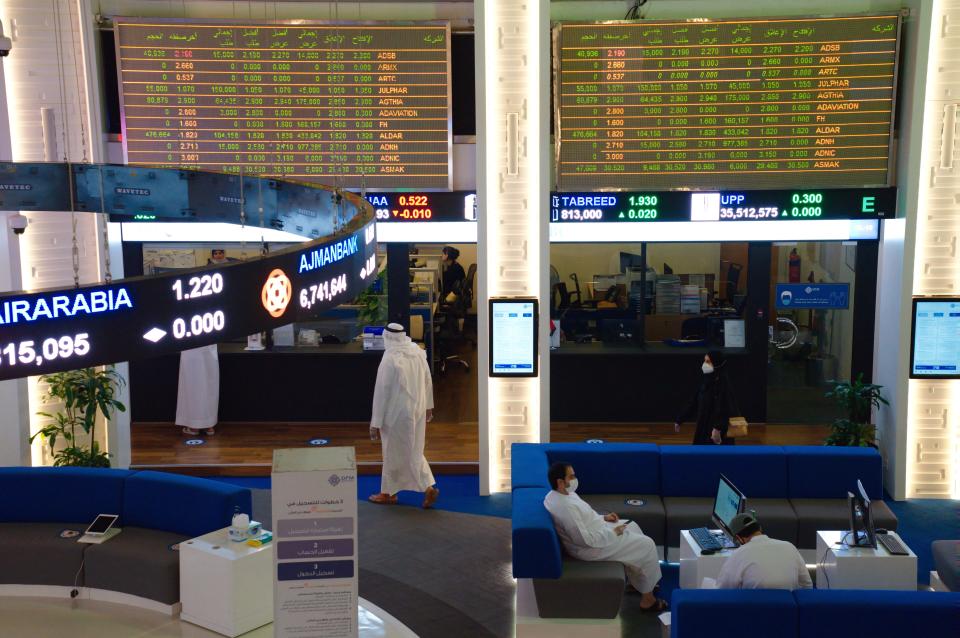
[[54, 618]]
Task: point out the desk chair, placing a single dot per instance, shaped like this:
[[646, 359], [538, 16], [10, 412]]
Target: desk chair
[[453, 318]]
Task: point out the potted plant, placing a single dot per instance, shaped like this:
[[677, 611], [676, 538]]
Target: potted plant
[[857, 400], [372, 302], [84, 394]]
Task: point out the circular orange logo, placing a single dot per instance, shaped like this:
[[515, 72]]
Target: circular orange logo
[[276, 293]]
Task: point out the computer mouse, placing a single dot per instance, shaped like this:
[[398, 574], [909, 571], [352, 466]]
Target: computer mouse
[[707, 552], [880, 530]]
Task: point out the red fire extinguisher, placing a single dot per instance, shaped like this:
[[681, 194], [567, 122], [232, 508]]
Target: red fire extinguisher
[[794, 264]]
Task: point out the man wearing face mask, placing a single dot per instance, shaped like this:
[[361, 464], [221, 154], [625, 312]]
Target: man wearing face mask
[[712, 405], [589, 536]]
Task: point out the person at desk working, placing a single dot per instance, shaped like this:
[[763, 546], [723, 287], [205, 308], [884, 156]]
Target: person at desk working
[[453, 272], [588, 536], [761, 562]]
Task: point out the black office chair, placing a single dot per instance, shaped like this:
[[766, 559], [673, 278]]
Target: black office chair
[[453, 322], [733, 281]]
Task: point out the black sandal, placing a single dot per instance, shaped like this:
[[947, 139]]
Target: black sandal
[[656, 608]]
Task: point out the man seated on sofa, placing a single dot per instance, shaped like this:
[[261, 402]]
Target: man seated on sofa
[[589, 536], [761, 562]]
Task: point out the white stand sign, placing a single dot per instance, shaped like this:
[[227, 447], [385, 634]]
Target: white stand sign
[[315, 531]]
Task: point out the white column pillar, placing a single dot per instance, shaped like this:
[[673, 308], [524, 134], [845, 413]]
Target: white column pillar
[[14, 416], [513, 154], [933, 407]]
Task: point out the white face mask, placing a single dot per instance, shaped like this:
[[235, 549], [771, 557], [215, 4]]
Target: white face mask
[[572, 487], [707, 368]]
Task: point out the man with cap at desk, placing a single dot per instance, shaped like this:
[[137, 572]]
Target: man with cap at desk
[[402, 406], [761, 562]]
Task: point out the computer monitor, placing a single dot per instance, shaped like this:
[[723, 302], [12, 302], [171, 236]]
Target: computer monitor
[[728, 503], [862, 533]]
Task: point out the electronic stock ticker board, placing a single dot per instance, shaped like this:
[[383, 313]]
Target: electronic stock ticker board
[[308, 101], [713, 104]]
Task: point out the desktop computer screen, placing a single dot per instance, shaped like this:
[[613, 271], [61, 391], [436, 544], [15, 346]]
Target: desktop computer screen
[[729, 502]]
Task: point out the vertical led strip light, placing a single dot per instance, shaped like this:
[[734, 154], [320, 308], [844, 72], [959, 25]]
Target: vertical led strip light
[[933, 406], [514, 43]]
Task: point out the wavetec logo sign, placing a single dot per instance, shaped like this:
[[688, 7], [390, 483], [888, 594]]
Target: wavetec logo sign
[[62, 306]]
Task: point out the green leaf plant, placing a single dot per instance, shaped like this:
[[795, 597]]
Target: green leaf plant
[[84, 393], [857, 400]]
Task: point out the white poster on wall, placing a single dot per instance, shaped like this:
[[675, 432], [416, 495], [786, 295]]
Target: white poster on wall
[[315, 529]]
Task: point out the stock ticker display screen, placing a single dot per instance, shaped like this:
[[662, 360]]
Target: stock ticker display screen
[[763, 103], [306, 101]]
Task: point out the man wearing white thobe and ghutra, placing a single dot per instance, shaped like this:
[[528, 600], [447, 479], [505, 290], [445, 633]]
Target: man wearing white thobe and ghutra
[[198, 391], [589, 536], [402, 406]]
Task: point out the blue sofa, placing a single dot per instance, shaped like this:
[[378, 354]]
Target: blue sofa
[[157, 510], [813, 613], [795, 490]]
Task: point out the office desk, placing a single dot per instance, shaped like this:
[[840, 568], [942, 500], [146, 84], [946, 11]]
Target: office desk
[[862, 567], [623, 382], [332, 382], [694, 567]]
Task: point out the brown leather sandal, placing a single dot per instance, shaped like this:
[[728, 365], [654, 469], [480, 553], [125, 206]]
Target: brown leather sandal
[[430, 497], [383, 499]]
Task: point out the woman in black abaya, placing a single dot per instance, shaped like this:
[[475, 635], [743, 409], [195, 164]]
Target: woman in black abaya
[[713, 404]]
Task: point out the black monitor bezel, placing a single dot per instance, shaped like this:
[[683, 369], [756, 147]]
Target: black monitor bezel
[[913, 336], [536, 337], [740, 508]]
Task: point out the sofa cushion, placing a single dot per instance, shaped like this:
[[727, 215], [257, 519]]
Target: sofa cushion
[[587, 590], [946, 560], [536, 546], [528, 465], [759, 471], [54, 494], [181, 504], [831, 472], [878, 614], [651, 516], [138, 562], [815, 514], [34, 554], [757, 613], [610, 468]]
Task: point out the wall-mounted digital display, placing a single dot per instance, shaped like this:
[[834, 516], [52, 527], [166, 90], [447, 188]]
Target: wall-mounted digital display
[[712, 104], [514, 325], [725, 206], [935, 343], [425, 217], [311, 101]]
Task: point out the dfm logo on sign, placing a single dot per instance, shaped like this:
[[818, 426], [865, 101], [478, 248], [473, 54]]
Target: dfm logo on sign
[[276, 293]]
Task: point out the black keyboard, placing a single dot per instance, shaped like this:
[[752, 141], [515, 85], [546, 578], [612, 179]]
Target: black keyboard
[[705, 539], [892, 545]]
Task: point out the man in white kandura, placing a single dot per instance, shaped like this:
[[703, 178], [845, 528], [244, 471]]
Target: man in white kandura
[[198, 391], [587, 535], [402, 406], [762, 562]]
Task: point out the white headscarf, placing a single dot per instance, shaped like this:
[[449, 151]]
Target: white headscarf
[[398, 344]]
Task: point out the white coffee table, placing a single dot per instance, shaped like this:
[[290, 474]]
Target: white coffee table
[[694, 566], [226, 586], [841, 567]]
